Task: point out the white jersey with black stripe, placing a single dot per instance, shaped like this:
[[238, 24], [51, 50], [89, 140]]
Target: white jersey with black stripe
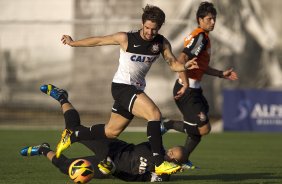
[[136, 61]]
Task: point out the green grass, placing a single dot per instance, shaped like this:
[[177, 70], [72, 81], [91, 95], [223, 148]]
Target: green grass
[[223, 158]]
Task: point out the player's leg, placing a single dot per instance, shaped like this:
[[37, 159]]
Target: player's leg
[[75, 132], [120, 116], [194, 109], [178, 125], [112, 129], [124, 96], [195, 116], [184, 105], [41, 149], [129, 102], [62, 163], [44, 149], [72, 118], [119, 120], [116, 125], [145, 108], [199, 115]]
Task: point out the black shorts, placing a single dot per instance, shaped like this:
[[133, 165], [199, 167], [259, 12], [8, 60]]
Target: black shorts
[[193, 106], [124, 96]]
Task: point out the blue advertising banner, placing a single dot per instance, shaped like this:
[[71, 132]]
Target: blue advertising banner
[[252, 110]]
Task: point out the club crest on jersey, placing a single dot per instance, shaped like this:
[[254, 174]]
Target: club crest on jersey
[[155, 48], [202, 116]]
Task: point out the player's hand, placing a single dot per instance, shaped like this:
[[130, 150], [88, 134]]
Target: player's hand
[[159, 178], [66, 39], [230, 74], [191, 64], [180, 93]]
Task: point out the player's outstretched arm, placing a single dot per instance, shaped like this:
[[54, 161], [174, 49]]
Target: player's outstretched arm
[[227, 74], [119, 38]]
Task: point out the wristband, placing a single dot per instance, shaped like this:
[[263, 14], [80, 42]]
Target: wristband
[[220, 74]]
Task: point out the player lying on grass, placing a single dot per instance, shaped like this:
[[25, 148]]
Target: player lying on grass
[[126, 161], [131, 162]]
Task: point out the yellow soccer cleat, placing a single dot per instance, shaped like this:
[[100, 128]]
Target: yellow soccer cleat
[[167, 168], [64, 143]]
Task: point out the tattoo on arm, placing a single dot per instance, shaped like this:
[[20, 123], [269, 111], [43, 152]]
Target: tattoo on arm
[[167, 54], [169, 61]]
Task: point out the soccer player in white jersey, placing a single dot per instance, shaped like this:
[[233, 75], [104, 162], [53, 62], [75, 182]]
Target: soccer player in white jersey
[[138, 51]]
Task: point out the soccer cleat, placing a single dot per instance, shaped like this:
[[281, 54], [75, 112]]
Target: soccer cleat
[[163, 129], [107, 166], [33, 150], [167, 168], [53, 91], [188, 165], [64, 143]]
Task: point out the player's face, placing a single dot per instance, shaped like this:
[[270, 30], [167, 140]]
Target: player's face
[[208, 22], [149, 30], [174, 154]]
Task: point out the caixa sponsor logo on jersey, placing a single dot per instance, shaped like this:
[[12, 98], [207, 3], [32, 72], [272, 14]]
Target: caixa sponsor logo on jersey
[[143, 59], [143, 165]]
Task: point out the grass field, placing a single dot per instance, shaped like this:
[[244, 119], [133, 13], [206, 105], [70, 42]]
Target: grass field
[[253, 158]]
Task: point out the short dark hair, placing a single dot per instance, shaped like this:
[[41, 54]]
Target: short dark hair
[[204, 9], [154, 14]]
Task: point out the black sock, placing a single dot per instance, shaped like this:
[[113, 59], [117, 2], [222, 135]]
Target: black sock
[[63, 99], [72, 119], [93, 133], [72, 123], [44, 151], [74, 138], [191, 143], [155, 140], [180, 126]]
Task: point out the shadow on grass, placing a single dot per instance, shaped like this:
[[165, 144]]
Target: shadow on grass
[[228, 177]]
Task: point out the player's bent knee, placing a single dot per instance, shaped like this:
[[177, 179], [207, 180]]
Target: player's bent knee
[[204, 130], [112, 134], [155, 114]]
